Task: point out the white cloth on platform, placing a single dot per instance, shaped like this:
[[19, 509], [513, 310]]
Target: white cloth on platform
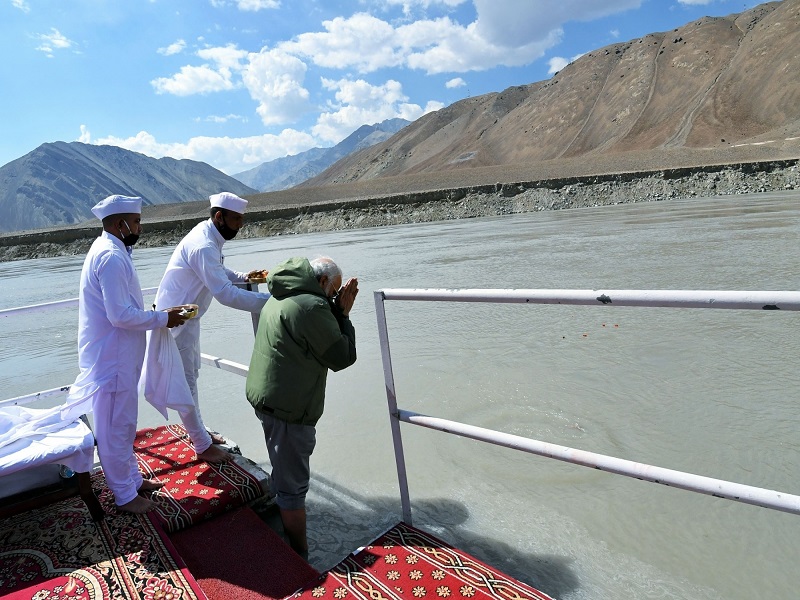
[[17, 422], [111, 345], [30, 437]]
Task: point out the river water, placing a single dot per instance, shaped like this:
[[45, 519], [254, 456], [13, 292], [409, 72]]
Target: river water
[[712, 392]]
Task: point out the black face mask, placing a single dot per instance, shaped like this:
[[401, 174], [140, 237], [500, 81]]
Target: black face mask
[[226, 232], [131, 238]]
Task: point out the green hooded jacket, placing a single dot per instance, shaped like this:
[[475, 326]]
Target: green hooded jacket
[[300, 336]]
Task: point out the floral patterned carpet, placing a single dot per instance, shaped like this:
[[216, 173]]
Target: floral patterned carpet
[[194, 490], [408, 563], [58, 552]]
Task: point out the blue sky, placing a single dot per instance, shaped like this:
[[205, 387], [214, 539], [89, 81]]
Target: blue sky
[[235, 83]]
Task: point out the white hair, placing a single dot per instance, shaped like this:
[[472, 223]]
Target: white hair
[[323, 265]]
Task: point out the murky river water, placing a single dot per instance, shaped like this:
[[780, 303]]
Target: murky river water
[[713, 392]]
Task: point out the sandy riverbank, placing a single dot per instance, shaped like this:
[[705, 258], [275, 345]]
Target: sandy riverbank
[[439, 205]]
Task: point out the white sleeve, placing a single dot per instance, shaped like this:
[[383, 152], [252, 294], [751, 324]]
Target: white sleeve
[[113, 276], [205, 262], [235, 276]]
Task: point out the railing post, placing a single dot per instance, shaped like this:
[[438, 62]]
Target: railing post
[[391, 399]]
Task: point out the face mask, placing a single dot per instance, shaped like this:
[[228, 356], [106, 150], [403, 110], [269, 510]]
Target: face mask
[[131, 238], [226, 232]]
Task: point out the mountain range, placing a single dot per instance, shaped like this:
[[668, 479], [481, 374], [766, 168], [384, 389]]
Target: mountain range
[[716, 90], [286, 172], [713, 84], [58, 183]]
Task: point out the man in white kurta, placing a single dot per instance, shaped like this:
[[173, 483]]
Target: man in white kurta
[[111, 345], [195, 275]]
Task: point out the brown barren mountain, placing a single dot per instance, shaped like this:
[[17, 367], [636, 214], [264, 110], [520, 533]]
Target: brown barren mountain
[[716, 90]]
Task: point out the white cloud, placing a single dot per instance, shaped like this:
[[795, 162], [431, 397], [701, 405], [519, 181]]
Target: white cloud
[[557, 63], [409, 5], [21, 4], [695, 2], [275, 80], [256, 5], [423, 3], [229, 155], [510, 33], [52, 41], [520, 23], [359, 102], [206, 78], [247, 5], [86, 136], [224, 57], [194, 80], [222, 118], [174, 48], [361, 41]]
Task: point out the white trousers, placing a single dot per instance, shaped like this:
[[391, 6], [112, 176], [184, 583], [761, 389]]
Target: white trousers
[[188, 343], [115, 416]]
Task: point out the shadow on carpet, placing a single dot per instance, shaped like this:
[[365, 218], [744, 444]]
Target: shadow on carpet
[[236, 555]]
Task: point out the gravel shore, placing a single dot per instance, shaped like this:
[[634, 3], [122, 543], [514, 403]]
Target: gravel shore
[[444, 204]]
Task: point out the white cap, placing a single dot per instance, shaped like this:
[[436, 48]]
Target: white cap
[[228, 201], [117, 205]]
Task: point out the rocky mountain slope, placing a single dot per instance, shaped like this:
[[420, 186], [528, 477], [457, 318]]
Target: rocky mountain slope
[[717, 91], [286, 172], [58, 183], [716, 84]]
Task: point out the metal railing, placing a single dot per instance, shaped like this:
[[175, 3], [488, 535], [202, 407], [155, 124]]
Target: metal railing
[[206, 359], [778, 301]]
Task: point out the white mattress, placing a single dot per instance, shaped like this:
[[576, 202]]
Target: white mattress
[[34, 437]]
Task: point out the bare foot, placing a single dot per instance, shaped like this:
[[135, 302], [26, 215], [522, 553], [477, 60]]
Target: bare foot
[[148, 485], [213, 454], [217, 439], [138, 505]]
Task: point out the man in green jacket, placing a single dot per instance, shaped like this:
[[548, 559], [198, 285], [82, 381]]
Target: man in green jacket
[[303, 331]]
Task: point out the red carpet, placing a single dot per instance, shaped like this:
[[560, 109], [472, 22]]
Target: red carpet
[[194, 490], [58, 552], [237, 556], [408, 563]]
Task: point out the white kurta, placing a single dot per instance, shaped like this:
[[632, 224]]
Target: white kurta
[[111, 343], [196, 274]]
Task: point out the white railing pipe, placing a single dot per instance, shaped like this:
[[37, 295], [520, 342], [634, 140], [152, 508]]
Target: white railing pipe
[[687, 481], [391, 398], [28, 398], [743, 300], [755, 300], [206, 359], [46, 306], [224, 364]]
